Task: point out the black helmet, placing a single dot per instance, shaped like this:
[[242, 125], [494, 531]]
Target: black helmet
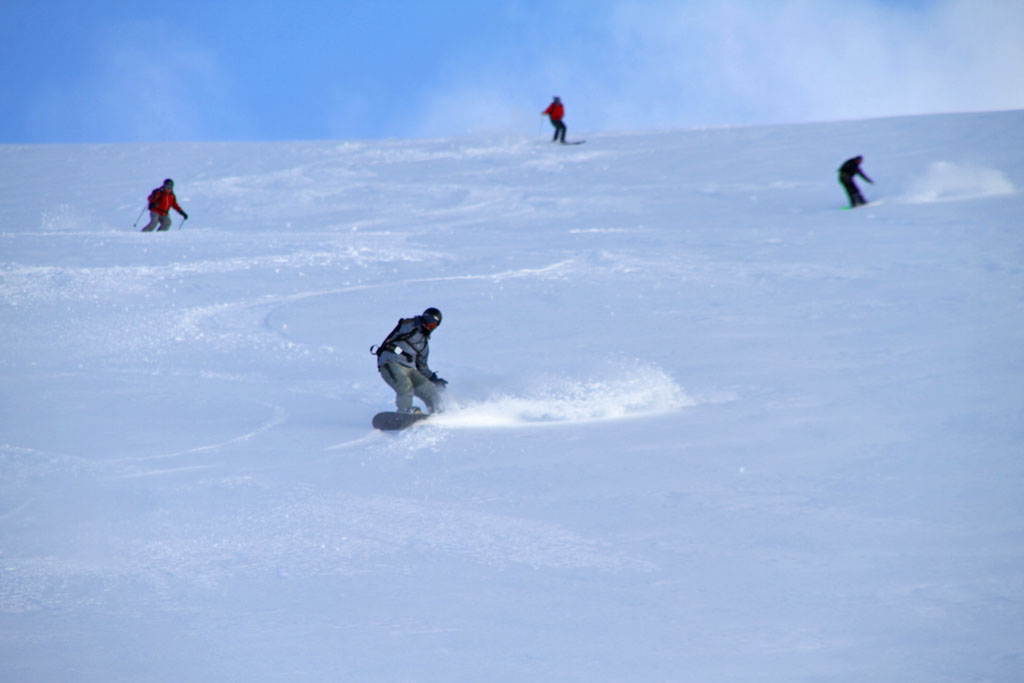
[[168, 181], [431, 316]]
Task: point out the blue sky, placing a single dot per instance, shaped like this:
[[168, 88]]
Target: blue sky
[[270, 70]]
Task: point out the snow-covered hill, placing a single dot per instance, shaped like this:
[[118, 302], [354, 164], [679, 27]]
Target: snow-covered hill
[[703, 425]]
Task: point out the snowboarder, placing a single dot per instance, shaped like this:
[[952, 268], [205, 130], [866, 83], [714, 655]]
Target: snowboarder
[[161, 201], [555, 112], [402, 362], [849, 169]]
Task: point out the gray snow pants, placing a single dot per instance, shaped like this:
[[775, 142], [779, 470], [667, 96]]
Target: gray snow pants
[[164, 219], [409, 382]]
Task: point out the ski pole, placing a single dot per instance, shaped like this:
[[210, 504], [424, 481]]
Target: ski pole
[[185, 218], [136, 223]]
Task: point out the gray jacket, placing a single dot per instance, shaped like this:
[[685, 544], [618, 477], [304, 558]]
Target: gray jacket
[[408, 345]]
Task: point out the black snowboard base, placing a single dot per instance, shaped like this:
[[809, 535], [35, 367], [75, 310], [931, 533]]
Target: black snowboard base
[[392, 421]]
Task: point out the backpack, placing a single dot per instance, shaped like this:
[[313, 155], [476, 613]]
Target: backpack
[[155, 196], [393, 337]]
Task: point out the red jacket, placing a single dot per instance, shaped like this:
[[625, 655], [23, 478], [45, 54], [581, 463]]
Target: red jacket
[[555, 110], [162, 201]]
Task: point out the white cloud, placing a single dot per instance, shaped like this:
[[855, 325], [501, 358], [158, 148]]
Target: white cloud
[[801, 60], [677, 63], [154, 86]]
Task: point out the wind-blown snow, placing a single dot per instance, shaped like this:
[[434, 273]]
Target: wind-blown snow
[[947, 181], [702, 425]]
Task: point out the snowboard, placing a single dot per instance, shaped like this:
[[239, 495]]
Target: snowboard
[[392, 421], [574, 142]]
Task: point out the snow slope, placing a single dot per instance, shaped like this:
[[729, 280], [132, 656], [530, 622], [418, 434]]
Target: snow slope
[[703, 425]]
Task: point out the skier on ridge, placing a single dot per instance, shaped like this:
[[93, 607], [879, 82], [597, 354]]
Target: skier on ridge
[[402, 362], [161, 201], [847, 172], [555, 112]]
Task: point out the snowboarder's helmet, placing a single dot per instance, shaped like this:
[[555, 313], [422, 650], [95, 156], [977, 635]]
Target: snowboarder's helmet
[[431, 317]]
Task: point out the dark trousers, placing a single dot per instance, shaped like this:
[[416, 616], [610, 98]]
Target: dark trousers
[[856, 198], [559, 131]]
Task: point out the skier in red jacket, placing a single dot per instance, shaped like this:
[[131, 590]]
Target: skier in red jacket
[[161, 201], [555, 112]]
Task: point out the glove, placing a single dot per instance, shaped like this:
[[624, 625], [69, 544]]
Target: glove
[[184, 215], [438, 381]]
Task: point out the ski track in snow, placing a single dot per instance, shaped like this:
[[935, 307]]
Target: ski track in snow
[[296, 534], [280, 415]]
